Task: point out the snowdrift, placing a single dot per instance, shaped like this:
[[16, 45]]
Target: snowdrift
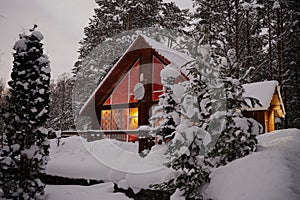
[[271, 173]]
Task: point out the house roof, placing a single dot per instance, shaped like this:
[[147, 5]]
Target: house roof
[[175, 58], [262, 91]]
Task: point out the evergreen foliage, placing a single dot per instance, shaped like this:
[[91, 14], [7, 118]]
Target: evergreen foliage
[[60, 109], [237, 137], [170, 115], [193, 175], [25, 148], [263, 35], [2, 104]]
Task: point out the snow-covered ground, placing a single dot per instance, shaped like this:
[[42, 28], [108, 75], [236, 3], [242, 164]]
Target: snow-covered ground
[[271, 173], [102, 191]]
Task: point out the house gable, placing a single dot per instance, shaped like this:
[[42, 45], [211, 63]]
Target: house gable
[[141, 63]]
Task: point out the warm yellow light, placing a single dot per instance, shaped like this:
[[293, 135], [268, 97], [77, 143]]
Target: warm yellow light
[[133, 112], [133, 122]]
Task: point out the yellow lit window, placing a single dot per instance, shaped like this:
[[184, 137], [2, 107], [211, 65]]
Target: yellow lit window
[[133, 118]]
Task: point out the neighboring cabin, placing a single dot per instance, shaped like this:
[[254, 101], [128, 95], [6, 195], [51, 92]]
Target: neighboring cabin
[[114, 108], [271, 108]]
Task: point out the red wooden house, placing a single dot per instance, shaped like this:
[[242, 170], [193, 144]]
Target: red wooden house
[[113, 106]]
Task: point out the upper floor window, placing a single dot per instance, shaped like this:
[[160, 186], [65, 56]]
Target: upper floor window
[[123, 92]]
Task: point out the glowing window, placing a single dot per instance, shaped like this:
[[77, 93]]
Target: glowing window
[[105, 119], [123, 92], [119, 95], [119, 119], [133, 118]]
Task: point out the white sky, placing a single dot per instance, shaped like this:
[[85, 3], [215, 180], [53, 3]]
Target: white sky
[[60, 21]]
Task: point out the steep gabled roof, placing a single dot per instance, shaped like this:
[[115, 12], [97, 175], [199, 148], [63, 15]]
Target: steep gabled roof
[[263, 91], [177, 59]]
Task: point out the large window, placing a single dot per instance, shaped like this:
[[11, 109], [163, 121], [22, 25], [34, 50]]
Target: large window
[[122, 118], [123, 93], [119, 119]]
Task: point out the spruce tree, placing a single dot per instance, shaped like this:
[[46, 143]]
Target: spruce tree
[[169, 103], [2, 104], [60, 109], [237, 138], [25, 150]]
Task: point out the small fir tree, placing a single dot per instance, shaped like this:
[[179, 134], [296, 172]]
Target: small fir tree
[[169, 103], [238, 134], [186, 150], [25, 149], [60, 109]]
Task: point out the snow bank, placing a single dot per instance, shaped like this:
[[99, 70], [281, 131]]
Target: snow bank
[[109, 160], [67, 192], [272, 173]]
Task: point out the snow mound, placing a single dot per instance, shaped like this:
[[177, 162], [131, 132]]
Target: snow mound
[[20, 45], [38, 35], [103, 159], [271, 173], [67, 192]]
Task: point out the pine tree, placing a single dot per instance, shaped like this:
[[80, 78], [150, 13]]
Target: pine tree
[[237, 138], [291, 87], [169, 104], [25, 153], [232, 24], [2, 105], [193, 175], [60, 111]]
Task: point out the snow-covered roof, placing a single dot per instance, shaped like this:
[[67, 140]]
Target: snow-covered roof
[[176, 59], [262, 91]]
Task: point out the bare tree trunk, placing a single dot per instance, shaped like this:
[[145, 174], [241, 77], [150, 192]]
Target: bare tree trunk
[[279, 48], [248, 40], [270, 43]]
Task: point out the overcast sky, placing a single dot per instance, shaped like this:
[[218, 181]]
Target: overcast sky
[[60, 21]]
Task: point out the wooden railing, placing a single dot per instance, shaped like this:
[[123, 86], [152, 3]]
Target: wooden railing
[[92, 135]]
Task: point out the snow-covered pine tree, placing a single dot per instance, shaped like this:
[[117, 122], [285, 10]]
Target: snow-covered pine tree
[[231, 24], [192, 174], [25, 153], [60, 112], [2, 102], [185, 152], [238, 136], [279, 20], [169, 104]]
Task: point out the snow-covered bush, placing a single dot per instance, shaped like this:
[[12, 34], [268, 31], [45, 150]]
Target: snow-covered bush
[[168, 103], [185, 152], [24, 151], [237, 136]]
